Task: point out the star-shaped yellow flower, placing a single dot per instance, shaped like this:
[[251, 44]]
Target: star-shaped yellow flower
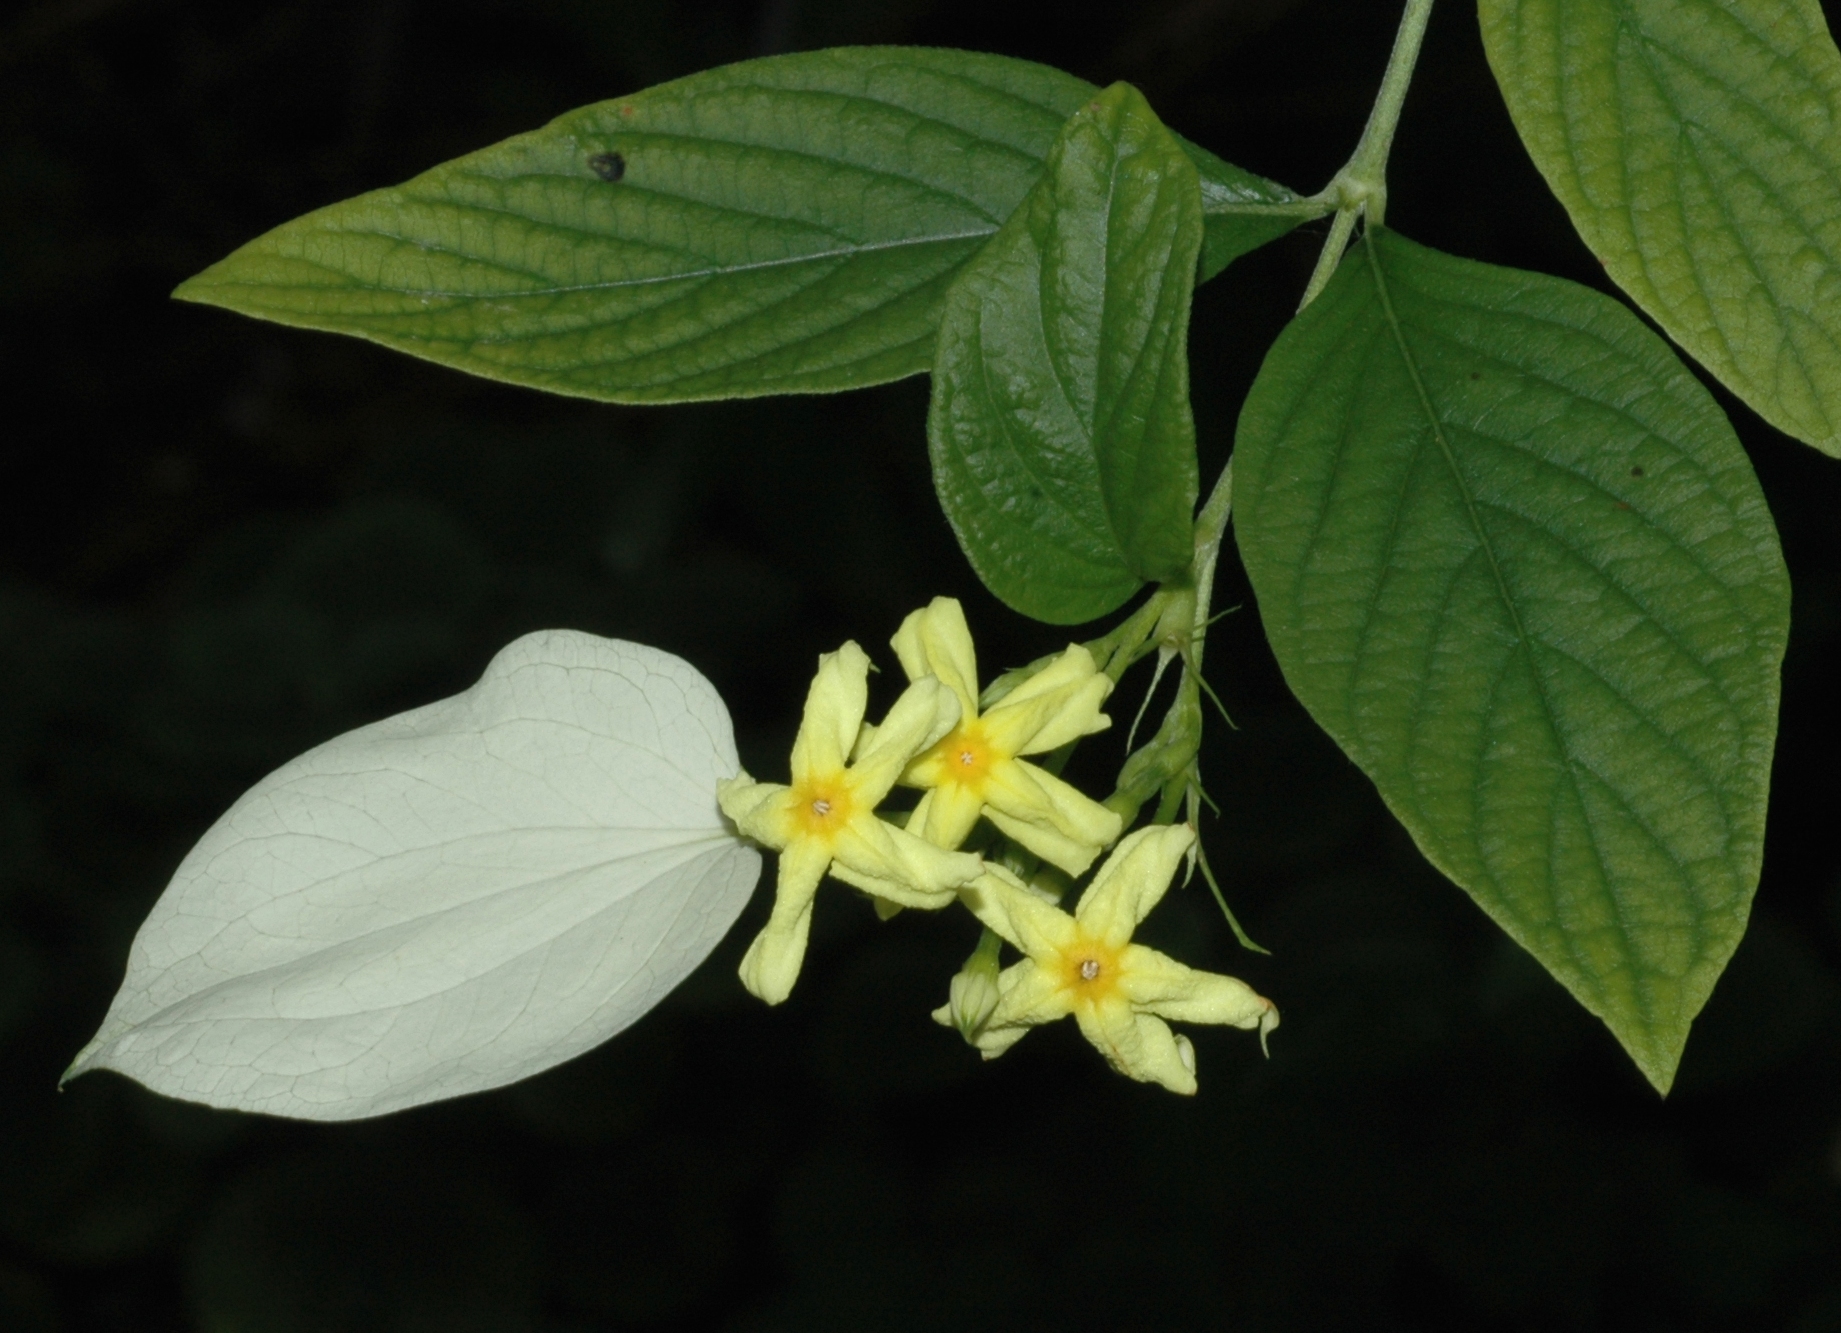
[[975, 769], [1086, 965], [826, 820]]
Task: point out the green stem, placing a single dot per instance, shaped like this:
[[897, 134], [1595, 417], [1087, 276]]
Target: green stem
[[1210, 529], [1331, 255], [1360, 188], [1119, 651], [1368, 168]]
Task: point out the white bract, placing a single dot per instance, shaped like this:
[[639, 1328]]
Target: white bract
[[445, 901]]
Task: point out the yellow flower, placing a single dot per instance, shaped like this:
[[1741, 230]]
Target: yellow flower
[[975, 769], [1086, 965], [826, 820]]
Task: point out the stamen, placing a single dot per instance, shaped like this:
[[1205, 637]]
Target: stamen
[[967, 758], [1089, 969], [821, 806]]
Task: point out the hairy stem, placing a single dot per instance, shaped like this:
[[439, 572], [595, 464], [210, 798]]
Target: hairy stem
[[1360, 188], [1210, 530]]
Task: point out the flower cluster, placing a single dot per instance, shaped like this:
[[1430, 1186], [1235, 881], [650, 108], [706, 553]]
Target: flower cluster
[[971, 763], [465, 894]]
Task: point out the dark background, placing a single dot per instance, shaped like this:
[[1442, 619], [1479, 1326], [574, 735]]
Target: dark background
[[223, 542]]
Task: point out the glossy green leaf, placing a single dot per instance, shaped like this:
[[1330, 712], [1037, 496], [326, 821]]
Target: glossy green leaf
[[1511, 556], [1063, 446], [778, 226], [1697, 146]]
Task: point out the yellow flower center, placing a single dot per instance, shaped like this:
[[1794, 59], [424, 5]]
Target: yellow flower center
[[822, 806], [1090, 969], [964, 758]]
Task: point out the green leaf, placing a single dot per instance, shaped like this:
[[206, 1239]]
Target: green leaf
[[1241, 211], [1697, 146], [778, 226], [1063, 448], [1512, 557]]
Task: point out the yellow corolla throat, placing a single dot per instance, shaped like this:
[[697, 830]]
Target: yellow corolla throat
[[1089, 970], [964, 759], [821, 807]]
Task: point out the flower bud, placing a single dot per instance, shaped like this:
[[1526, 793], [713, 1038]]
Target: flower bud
[[1165, 760], [972, 996], [971, 999]]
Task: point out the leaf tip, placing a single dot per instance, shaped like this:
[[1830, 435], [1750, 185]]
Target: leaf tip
[[198, 290], [1656, 1056], [1661, 1075], [82, 1063]]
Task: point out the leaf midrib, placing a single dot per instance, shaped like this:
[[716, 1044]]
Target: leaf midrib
[[1092, 422], [1514, 612], [720, 271], [1648, 48], [1637, 598], [1131, 381], [1233, 196], [1585, 479], [749, 150], [1810, 86], [1051, 491], [421, 921]]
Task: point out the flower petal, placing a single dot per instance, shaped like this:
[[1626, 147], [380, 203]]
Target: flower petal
[[945, 815], [445, 901], [892, 863], [991, 1042], [934, 766], [1000, 901], [1137, 1045], [834, 708], [1160, 985], [761, 810], [994, 1041], [1029, 995], [925, 712], [1048, 816], [935, 641], [771, 965], [1058, 704], [1132, 882]]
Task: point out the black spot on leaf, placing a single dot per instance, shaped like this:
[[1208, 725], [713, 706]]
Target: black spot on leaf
[[608, 166]]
